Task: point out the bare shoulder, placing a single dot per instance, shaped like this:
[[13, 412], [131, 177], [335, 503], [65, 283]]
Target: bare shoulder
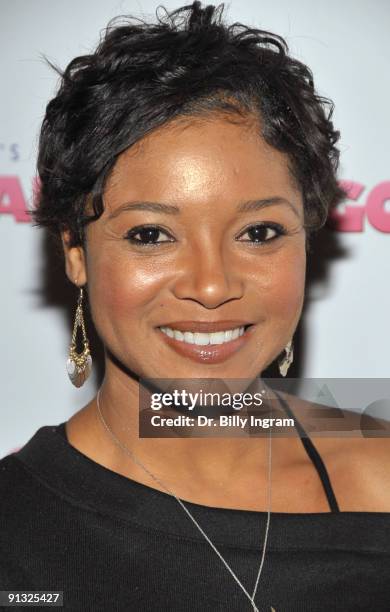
[[360, 471], [357, 456]]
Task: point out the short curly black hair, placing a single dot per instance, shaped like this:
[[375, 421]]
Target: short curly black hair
[[189, 62]]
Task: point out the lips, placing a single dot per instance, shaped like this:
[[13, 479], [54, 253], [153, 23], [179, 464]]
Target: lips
[[212, 353]]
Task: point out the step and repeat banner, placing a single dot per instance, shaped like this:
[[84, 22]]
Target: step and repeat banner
[[344, 332]]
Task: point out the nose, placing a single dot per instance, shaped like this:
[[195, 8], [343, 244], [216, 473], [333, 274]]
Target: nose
[[209, 276]]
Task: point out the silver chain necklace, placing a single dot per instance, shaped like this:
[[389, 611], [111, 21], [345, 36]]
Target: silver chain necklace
[[156, 479]]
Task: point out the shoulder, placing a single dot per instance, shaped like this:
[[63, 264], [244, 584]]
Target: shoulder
[[11, 475], [22, 494], [14, 483], [15, 489], [20, 509], [355, 449], [361, 471]]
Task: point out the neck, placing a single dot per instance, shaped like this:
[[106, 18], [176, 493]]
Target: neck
[[174, 459]]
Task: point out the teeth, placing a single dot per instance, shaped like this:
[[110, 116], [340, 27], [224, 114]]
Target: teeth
[[235, 333], [188, 336], [228, 335], [202, 339]]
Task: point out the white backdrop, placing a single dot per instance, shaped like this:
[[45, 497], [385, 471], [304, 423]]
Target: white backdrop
[[346, 321]]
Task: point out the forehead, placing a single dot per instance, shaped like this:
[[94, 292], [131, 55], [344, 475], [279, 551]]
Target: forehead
[[201, 160]]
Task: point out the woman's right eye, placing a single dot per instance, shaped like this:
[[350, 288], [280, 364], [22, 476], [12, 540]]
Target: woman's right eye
[[148, 235]]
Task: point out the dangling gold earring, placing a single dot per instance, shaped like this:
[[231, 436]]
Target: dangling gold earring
[[79, 365], [287, 359]]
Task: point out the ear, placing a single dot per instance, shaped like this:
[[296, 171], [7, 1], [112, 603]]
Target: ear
[[75, 260]]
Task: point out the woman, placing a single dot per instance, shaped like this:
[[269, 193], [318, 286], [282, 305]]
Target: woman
[[186, 165]]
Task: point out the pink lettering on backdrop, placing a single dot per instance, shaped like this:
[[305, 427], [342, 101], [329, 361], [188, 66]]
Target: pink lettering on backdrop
[[351, 217], [12, 200], [375, 207]]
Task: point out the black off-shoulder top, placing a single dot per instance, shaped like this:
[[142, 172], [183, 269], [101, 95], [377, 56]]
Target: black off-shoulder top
[[113, 544]]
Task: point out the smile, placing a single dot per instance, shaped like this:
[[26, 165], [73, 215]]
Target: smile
[[203, 338], [208, 347]]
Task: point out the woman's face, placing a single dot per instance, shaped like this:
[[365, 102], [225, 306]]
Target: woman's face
[[203, 223]]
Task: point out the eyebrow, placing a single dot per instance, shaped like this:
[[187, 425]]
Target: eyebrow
[[255, 205], [170, 209]]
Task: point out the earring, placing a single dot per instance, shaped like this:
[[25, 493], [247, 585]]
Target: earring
[[79, 365], [287, 359]]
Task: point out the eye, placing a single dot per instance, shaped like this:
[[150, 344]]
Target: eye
[[148, 235], [260, 233]]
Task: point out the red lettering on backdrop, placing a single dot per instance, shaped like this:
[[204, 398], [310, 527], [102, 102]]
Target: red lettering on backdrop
[[12, 200]]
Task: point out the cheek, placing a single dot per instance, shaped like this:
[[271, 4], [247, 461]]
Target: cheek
[[122, 290], [283, 286]]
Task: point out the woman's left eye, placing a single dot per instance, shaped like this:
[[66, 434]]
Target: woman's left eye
[[263, 232]]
